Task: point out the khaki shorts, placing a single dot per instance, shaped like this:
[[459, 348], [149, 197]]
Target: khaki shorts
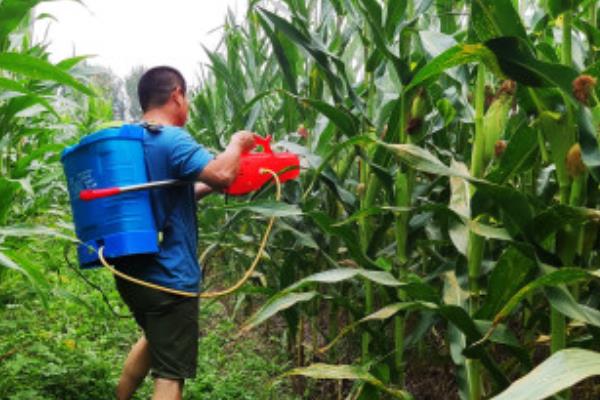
[[170, 325]]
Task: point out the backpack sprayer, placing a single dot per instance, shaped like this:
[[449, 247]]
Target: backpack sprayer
[[108, 167]]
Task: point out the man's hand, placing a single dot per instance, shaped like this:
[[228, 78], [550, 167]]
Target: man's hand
[[243, 139], [223, 170]]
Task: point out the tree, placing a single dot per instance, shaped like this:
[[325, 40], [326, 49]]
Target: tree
[[112, 86], [131, 80]]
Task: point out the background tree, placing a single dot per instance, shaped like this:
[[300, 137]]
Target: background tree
[[131, 80]]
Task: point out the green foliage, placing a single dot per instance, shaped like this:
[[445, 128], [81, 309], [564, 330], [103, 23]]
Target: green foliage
[[557, 7], [36, 68], [347, 372], [76, 347], [491, 19], [560, 371], [430, 213], [12, 14], [455, 56], [387, 185], [8, 190]]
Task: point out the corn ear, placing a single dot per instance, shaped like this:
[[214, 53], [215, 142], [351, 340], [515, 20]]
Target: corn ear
[[575, 165], [495, 122], [561, 138], [418, 110], [418, 107]]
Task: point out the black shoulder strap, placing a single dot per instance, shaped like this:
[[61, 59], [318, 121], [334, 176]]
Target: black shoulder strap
[[153, 129]]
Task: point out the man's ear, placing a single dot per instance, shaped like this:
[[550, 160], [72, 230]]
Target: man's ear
[[177, 96]]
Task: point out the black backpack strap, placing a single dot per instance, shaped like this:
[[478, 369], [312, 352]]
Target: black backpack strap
[[154, 129], [151, 127]]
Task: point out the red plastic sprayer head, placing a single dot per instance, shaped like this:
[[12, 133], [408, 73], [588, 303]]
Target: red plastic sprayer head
[[265, 142], [252, 177]]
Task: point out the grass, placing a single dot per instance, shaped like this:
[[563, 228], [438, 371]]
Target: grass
[[74, 348]]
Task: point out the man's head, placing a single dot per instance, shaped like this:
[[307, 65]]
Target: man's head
[[164, 88]]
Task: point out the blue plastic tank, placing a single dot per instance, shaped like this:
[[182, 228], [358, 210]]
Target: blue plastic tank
[[123, 224]]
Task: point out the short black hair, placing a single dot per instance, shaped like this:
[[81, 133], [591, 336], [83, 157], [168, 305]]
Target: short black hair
[[157, 84]]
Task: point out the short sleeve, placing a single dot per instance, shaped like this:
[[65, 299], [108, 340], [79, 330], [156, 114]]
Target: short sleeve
[[188, 158]]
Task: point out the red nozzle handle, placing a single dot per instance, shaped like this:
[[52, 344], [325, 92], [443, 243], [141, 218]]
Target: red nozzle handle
[[265, 142], [93, 194]]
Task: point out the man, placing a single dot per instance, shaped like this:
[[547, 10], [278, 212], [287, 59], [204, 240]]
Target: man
[[168, 347]]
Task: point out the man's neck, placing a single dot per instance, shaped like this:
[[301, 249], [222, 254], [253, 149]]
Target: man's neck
[[157, 116]]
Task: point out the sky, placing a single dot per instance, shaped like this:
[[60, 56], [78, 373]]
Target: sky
[[125, 33]]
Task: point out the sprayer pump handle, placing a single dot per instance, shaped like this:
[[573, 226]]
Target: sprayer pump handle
[[265, 142], [93, 194]]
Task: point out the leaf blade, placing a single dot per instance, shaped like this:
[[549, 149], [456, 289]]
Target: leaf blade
[[560, 371]]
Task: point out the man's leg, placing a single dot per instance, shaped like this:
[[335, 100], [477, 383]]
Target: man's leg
[[167, 389], [135, 369]]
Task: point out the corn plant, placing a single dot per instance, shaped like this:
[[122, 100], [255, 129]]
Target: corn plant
[[450, 162], [35, 95]]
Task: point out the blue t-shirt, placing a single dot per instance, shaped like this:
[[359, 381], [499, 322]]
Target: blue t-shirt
[[173, 154]]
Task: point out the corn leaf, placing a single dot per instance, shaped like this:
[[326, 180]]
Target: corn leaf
[[521, 149], [354, 141], [562, 276], [517, 62], [339, 115], [422, 160], [560, 371], [8, 189], [275, 305], [16, 262], [518, 210], [460, 203], [435, 43], [24, 231], [289, 297], [280, 51], [590, 152], [12, 12], [453, 57], [557, 7], [512, 271], [347, 372], [316, 49], [268, 208], [382, 314], [494, 18], [558, 216], [36, 68], [71, 62], [519, 214], [347, 234], [343, 274], [562, 301], [51, 150], [373, 15], [14, 86], [395, 10]]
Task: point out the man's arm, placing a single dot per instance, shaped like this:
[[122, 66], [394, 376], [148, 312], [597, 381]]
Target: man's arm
[[222, 171]]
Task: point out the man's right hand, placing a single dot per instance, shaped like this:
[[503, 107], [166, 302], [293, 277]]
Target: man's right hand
[[223, 170], [243, 139]]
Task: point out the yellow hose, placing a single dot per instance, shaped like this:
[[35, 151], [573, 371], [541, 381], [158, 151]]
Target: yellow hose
[[206, 295]]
